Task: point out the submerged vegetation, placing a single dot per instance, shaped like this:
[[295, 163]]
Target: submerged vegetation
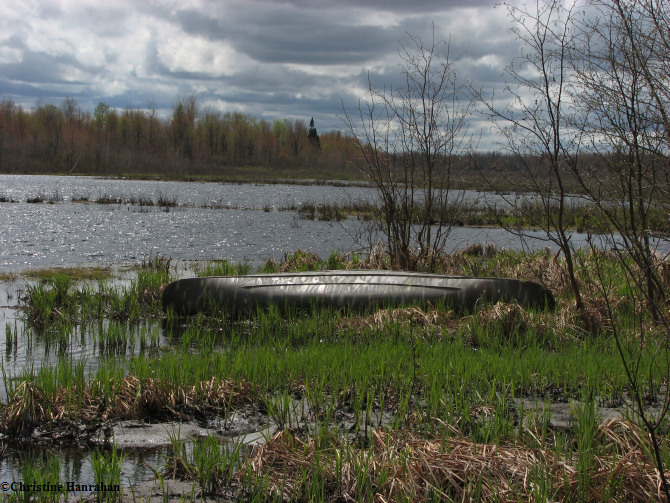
[[409, 404]]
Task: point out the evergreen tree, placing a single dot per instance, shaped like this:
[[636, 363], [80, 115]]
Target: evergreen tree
[[312, 135]]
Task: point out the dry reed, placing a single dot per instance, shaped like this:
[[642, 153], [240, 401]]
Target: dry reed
[[403, 465], [28, 407], [414, 316]]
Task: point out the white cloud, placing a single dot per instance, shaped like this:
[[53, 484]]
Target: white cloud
[[10, 55], [197, 55]]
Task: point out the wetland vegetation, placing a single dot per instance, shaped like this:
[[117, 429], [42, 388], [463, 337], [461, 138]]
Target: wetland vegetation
[[410, 404], [407, 403], [508, 210]]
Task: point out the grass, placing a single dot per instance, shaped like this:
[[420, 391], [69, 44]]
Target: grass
[[7, 199], [56, 302], [527, 214], [209, 461], [410, 404], [53, 198], [107, 473], [402, 465], [222, 268], [39, 468], [95, 273], [524, 213]]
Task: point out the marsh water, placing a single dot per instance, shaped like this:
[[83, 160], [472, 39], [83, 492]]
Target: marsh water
[[204, 221], [237, 222]]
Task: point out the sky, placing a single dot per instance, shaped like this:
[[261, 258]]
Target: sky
[[266, 58]]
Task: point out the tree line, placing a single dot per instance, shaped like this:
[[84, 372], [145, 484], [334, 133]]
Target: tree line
[[190, 141]]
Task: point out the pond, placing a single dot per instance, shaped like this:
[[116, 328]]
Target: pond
[[236, 222], [210, 221]]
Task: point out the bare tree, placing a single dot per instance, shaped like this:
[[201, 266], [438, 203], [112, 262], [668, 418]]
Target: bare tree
[[410, 139], [622, 69], [533, 121]]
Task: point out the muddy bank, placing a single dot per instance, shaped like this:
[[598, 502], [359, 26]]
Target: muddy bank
[[253, 427]]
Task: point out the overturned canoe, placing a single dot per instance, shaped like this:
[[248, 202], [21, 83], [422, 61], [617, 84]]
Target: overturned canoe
[[357, 290]]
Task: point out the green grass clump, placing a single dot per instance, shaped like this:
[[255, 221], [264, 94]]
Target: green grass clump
[[107, 473], [41, 468], [58, 302], [354, 399], [73, 273], [223, 268], [211, 461]]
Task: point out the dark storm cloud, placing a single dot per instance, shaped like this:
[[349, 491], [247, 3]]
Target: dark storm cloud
[[400, 6], [200, 23], [28, 93], [317, 45], [279, 34], [40, 68]]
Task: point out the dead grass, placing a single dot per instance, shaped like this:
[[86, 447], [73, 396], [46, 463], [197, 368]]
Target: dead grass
[[95, 273], [403, 465], [151, 399], [26, 409], [411, 316], [545, 269], [512, 318], [300, 260]]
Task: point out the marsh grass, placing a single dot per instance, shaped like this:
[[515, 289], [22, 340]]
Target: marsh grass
[[106, 466], [59, 300], [527, 213], [162, 201], [408, 403], [404, 465], [223, 268], [73, 273], [210, 461], [4, 198], [41, 467], [52, 198]]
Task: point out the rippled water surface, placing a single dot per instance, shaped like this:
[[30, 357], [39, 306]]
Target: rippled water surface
[[69, 234], [66, 233]]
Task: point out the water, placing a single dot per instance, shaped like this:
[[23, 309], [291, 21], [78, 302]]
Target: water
[[76, 467], [243, 196], [74, 234]]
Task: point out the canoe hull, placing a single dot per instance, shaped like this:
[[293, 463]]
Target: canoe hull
[[355, 290]]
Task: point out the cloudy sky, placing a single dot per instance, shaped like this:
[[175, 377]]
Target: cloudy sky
[[267, 58]]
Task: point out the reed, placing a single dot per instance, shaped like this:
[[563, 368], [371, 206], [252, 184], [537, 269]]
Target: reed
[[166, 201], [58, 301], [211, 461], [41, 468], [405, 403], [222, 268], [4, 198], [107, 472]]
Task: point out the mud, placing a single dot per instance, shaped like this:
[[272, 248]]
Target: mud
[[252, 426]]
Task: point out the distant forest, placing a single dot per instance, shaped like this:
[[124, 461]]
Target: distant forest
[[67, 139], [190, 142]]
